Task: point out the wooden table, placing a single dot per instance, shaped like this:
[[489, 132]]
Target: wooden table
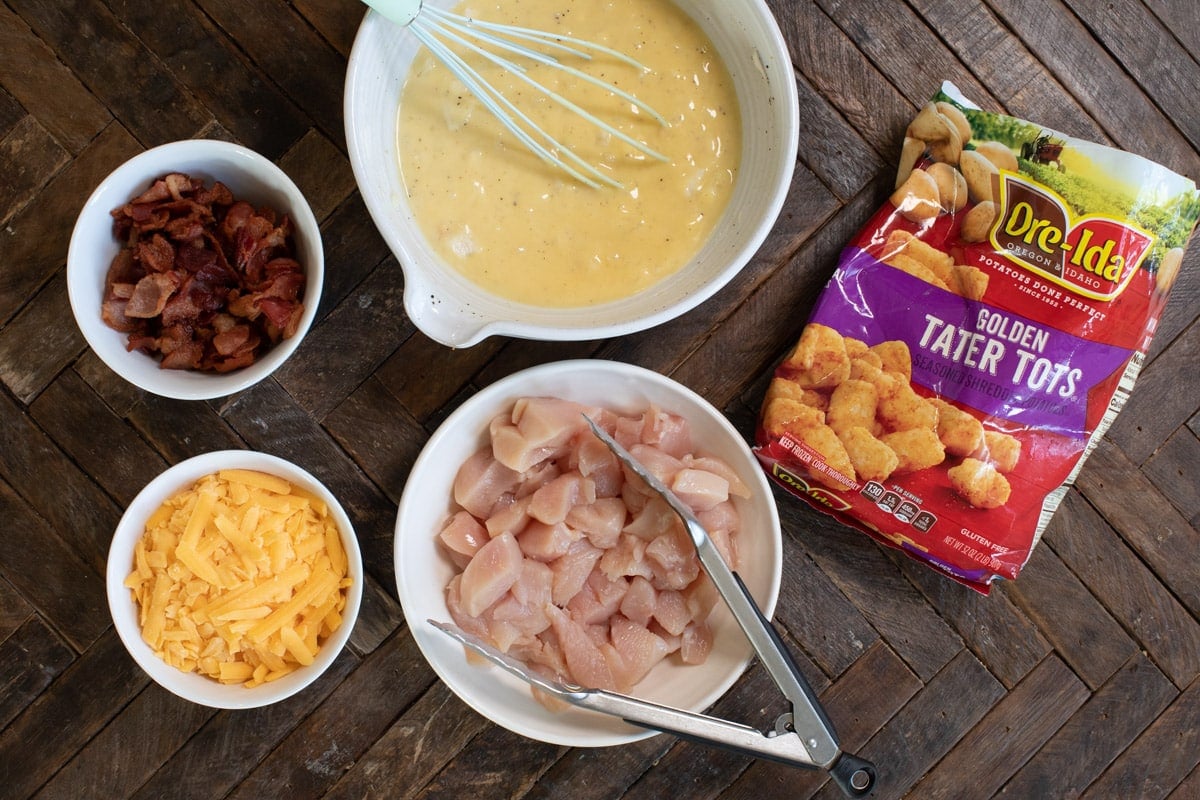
[[1079, 679]]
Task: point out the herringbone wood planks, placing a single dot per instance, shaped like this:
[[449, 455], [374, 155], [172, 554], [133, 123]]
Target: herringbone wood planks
[[1078, 680]]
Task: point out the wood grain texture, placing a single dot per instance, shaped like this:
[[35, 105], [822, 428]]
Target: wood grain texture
[[29, 156], [1081, 629], [1081, 679], [990, 754], [1142, 605], [31, 657], [33, 244], [1151, 526], [938, 716], [1163, 755], [119, 69], [47, 89], [1110, 720]]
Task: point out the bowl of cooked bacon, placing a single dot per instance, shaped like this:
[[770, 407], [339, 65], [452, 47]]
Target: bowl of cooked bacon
[[195, 269], [518, 525]]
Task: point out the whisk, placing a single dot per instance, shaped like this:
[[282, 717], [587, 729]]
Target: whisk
[[436, 28]]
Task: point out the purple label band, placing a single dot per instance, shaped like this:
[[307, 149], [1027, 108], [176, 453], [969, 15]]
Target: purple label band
[[998, 362]]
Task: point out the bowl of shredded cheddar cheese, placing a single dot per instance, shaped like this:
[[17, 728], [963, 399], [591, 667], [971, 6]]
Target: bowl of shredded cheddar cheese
[[234, 579]]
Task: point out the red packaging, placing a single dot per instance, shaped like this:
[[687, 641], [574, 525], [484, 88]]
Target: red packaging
[[979, 334]]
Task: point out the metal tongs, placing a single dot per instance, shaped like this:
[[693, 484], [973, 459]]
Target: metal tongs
[[803, 737]]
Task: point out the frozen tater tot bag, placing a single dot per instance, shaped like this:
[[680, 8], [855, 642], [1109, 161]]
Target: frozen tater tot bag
[[979, 334]]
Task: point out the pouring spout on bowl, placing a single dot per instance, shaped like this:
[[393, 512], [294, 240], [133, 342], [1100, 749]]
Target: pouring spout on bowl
[[442, 318]]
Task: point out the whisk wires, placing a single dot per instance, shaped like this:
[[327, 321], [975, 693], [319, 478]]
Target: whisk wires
[[435, 28]]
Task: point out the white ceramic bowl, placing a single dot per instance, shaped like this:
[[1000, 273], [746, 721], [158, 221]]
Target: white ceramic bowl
[[423, 570], [250, 177], [452, 310], [190, 685]]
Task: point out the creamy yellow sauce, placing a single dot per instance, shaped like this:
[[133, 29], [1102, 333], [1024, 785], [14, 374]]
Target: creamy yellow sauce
[[526, 231]]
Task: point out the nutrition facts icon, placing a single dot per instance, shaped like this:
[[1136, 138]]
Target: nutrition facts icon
[[873, 491], [924, 521], [889, 502], [904, 510]]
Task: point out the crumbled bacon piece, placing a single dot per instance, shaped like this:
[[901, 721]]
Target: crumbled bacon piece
[[204, 280], [150, 295]]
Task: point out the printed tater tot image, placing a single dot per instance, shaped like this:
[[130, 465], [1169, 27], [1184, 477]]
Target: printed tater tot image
[[894, 356], [906, 252], [855, 348], [915, 268], [819, 358], [786, 415], [961, 433], [864, 370], [916, 449], [870, 358], [805, 425], [1001, 450], [782, 387], [901, 242], [979, 483], [970, 282], [872, 459], [887, 384], [902, 409], [852, 404], [826, 443]]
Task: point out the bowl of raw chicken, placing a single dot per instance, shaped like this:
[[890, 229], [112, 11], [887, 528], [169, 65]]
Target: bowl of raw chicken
[[519, 526]]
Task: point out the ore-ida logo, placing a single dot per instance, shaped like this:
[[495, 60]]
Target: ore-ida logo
[[1092, 255], [801, 486]]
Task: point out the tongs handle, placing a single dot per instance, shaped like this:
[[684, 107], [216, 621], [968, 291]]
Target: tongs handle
[[689, 725], [809, 721], [855, 776]]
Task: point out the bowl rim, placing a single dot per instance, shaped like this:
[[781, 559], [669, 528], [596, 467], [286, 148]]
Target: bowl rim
[[81, 270], [123, 609], [429, 641], [457, 323]]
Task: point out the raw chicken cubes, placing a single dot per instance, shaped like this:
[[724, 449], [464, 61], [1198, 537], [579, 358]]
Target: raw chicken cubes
[[571, 564]]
